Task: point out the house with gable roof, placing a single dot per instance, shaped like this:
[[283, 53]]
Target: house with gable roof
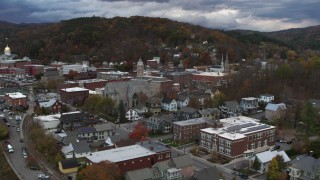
[[161, 123], [265, 158], [275, 111], [169, 104], [230, 109], [304, 167], [53, 106], [186, 113], [182, 100]]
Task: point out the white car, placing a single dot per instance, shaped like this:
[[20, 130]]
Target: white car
[[43, 176]]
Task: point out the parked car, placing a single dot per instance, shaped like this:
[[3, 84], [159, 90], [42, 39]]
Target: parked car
[[24, 152], [8, 124], [276, 147], [43, 176], [35, 168], [18, 129], [289, 142]]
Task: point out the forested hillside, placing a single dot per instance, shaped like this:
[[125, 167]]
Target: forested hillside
[[117, 39]]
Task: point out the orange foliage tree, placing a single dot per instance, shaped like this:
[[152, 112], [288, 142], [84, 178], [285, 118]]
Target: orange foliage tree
[[141, 132], [102, 171]]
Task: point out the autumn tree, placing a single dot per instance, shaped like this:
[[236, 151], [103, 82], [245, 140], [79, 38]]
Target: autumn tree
[[102, 171], [140, 132], [281, 164], [194, 103], [272, 173], [218, 99]]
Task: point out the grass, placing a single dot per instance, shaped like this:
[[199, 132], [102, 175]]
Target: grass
[[173, 143]]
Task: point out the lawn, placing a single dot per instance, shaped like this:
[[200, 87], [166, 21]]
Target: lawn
[[173, 143]]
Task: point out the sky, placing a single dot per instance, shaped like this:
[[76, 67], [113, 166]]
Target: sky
[[260, 15]]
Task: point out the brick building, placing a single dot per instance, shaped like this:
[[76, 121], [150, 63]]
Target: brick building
[[127, 158], [189, 130], [33, 69], [211, 77], [92, 84], [53, 106], [240, 136], [75, 95], [16, 99]]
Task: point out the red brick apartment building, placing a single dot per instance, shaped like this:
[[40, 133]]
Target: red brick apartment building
[[16, 99], [75, 95], [239, 136], [188, 130], [127, 158]]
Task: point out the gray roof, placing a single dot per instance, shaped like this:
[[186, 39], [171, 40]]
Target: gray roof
[[274, 107], [167, 118], [163, 165], [232, 104], [81, 147], [306, 163], [153, 146], [47, 104], [188, 110], [181, 97], [73, 116], [103, 127], [208, 111], [182, 161], [140, 174], [71, 137]]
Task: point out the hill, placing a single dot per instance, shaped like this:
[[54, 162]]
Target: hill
[[299, 38], [117, 39]]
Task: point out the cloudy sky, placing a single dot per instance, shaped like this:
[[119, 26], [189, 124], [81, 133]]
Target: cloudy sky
[[261, 15]]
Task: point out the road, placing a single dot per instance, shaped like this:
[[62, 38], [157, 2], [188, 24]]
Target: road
[[16, 158]]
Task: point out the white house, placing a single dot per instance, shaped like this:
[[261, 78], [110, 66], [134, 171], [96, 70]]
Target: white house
[[132, 115], [76, 149], [141, 109], [266, 98], [265, 157], [182, 100], [169, 104]]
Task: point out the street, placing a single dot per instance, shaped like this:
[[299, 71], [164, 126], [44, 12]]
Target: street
[[16, 159]]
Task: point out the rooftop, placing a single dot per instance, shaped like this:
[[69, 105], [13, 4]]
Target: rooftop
[[190, 122], [16, 95], [53, 117], [153, 146], [74, 89], [237, 127], [120, 154]]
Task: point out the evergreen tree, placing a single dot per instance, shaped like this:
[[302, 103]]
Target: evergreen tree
[[256, 164], [122, 112]]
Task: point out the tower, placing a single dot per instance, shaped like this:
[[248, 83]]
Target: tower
[[140, 68], [7, 51], [222, 63], [226, 66]]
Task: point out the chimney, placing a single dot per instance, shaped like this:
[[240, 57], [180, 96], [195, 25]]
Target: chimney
[[310, 153], [151, 148], [149, 141]]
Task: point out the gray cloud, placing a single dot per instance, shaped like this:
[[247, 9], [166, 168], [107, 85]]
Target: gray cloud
[[223, 14]]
